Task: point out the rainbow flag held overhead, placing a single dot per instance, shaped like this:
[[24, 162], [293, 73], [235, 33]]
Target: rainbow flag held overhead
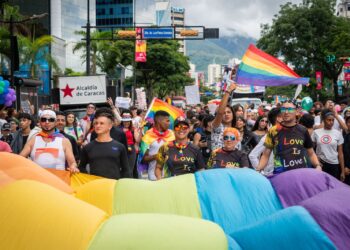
[[152, 134], [157, 105], [261, 69]]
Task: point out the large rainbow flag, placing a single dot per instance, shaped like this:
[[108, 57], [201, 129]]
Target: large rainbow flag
[[261, 69], [157, 105]]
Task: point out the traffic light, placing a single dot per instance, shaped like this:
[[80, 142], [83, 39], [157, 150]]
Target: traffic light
[[189, 33], [126, 34]]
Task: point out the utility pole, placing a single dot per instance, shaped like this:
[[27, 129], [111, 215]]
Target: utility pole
[[88, 28], [134, 63], [14, 65]]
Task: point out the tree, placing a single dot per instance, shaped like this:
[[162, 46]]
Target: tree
[[32, 51], [14, 13], [96, 47], [165, 70], [71, 72], [305, 34]]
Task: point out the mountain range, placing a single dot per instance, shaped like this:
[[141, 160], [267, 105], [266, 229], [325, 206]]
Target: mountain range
[[219, 51]]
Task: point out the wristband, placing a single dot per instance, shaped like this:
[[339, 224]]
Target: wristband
[[228, 92]]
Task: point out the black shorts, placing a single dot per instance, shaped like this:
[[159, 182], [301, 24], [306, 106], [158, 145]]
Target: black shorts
[[332, 169]]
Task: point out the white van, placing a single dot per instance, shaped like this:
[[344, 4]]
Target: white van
[[246, 100]]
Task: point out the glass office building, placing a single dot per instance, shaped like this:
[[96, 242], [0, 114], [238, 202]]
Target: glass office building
[[114, 12], [64, 18]]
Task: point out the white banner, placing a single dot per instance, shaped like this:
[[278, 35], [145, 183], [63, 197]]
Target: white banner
[[82, 89], [192, 95], [298, 91], [141, 98], [123, 102]]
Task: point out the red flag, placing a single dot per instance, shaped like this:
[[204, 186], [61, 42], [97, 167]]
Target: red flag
[[318, 80], [140, 47]]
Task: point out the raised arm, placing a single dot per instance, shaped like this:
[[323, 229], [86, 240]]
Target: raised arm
[[221, 110]]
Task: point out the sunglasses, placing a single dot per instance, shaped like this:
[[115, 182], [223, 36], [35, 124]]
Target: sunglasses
[[288, 110], [231, 137], [181, 127], [43, 119], [263, 120]]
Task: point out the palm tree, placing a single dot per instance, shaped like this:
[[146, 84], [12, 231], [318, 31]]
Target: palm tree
[[12, 12], [35, 50], [97, 47], [5, 50]]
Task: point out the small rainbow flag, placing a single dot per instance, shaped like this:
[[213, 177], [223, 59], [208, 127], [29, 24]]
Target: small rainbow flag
[[157, 105], [261, 69]]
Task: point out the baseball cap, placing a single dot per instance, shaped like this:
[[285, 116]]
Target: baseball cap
[[126, 117], [181, 120], [6, 126]]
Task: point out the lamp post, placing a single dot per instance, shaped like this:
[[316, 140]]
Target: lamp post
[[14, 51], [88, 39]]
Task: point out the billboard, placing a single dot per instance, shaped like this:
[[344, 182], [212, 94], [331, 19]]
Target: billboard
[[82, 89]]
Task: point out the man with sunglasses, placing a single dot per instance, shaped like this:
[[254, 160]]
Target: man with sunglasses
[[50, 149], [229, 156], [290, 143], [179, 156]]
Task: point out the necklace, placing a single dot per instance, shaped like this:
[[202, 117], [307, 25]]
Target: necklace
[[180, 147]]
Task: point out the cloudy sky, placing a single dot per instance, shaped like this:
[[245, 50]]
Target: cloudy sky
[[231, 16]]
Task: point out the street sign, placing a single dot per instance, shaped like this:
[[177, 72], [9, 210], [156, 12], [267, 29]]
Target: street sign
[[158, 33]]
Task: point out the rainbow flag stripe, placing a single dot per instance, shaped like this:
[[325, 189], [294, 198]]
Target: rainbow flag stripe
[[261, 69], [157, 105]]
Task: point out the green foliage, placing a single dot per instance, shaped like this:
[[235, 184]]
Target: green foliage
[[14, 12], [288, 91], [30, 49], [305, 35], [165, 70], [35, 50], [205, 99], [70, 72], [99, 52]]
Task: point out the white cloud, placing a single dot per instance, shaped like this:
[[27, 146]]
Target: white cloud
[[242, 17]]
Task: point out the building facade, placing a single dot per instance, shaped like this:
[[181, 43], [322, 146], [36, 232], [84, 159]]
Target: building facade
[[343, 8], [114, 12], [214, 73], [65, 17], [163, 13], [178, 19]]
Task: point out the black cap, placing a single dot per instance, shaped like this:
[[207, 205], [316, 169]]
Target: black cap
[[6, 126], [181, 120]]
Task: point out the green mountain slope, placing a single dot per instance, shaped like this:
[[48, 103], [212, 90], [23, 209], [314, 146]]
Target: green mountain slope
[[220, 51]]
